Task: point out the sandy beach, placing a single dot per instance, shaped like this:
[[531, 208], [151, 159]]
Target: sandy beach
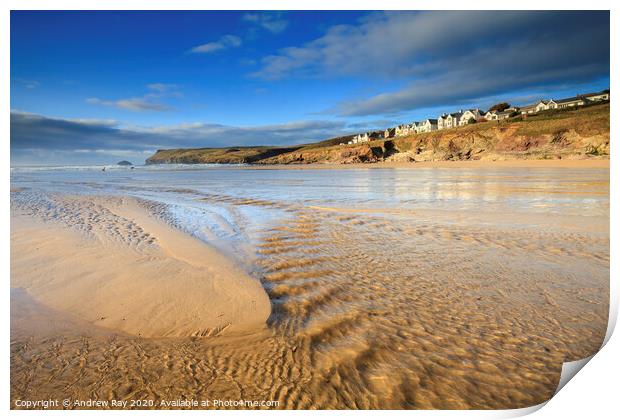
[[120, 269], [456, 288]]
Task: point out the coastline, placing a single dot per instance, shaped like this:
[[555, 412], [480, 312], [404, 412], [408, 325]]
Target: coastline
[[448, 164], [133, 273]]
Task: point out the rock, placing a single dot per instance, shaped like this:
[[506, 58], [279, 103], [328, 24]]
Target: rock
[[124, 163]]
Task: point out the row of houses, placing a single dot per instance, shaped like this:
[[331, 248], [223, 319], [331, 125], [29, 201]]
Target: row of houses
[[575, 101], [464, 117]]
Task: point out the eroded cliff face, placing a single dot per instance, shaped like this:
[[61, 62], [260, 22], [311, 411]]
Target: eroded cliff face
[[575, 134], [492, 144], [362, 153]]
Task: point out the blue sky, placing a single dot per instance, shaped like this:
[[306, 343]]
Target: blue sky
[[94, 87]]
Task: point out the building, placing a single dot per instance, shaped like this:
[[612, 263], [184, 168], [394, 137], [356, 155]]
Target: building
[[446, 121], [452, 120], [491, 115], [507, 113], [539, 106], [427, 126], [389, 133], [581, 100], [571, 102], [441, 121], [468, 115], [360, 138], [500, 115], [405, 130], [528, 109], [575, 101], [597, 97]]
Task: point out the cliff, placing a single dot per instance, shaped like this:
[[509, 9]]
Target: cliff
[[230, 155], [572, 134]]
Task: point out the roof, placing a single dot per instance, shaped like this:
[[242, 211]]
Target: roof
[[432, 120], [595, 93], [573, 99]]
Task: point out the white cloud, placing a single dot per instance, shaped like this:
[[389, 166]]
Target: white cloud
[[131, 104], [227, 41], [267, 20], [445, 57], [162, 87], [146, 102]]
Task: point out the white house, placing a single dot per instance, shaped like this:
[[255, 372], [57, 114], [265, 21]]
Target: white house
[[528, 109], [468, 115], [571, 102], [506, 113], [499, 115], [446, 121], [427, 126], [596, 97], [360, 138], [491, 115], [452, 120], [539, 106], [441, 121], [405, 129]]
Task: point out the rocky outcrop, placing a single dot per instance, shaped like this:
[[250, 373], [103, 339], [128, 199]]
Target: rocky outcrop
[[363, 153]]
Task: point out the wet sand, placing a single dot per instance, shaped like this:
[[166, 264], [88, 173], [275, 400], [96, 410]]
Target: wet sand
[[368, 309], [130, 272]]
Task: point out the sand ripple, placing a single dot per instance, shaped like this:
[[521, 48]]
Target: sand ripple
[[368, 311]]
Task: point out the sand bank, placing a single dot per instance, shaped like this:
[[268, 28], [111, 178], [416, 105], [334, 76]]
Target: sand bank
[[128, 271]]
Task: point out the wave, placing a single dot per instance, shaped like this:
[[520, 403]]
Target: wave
[[153, 167]]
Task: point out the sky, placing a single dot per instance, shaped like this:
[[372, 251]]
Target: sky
[[95, 87]]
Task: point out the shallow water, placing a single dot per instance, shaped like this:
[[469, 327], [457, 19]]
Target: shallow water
[[390, 288]]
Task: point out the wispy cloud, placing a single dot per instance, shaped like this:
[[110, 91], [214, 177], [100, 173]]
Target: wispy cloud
[[27, 83], [225, 42], [445, 57], [162, 87], [271, 21], [146, 102], [130, 104]]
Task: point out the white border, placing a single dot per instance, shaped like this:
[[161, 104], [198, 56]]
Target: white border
[[593, 394]]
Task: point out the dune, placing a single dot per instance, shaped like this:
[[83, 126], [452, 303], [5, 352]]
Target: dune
[[121, 268]]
